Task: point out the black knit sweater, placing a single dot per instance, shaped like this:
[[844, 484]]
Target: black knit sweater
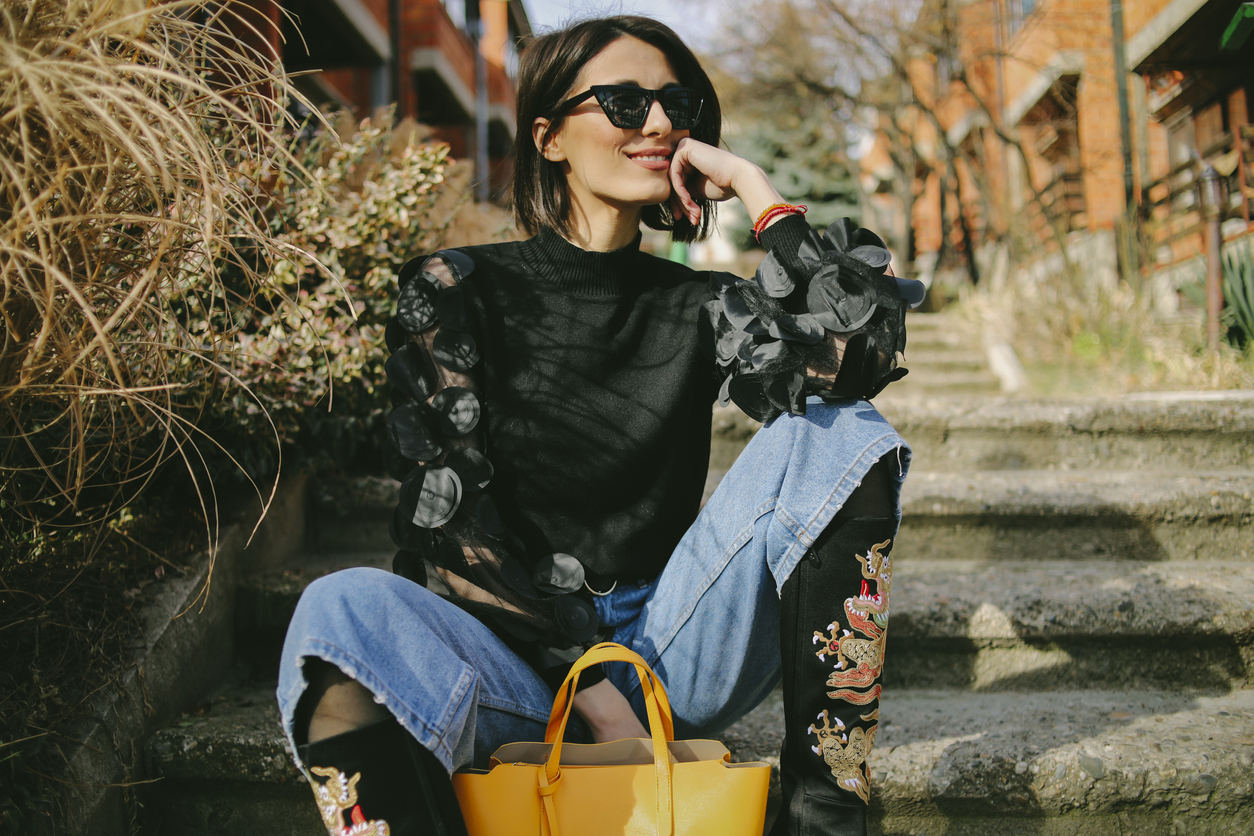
[[596, 398]]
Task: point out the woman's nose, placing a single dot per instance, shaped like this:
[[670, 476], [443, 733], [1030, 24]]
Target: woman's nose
[[656, 122]]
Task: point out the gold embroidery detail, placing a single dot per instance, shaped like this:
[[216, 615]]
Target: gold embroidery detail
[[846, 754], [859, 661], [337, 794]]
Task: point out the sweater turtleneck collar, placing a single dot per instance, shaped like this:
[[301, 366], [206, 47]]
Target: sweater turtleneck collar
[[580, 271]]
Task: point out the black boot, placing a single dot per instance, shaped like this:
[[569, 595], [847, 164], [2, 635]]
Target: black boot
[[379, 775], [833, 622]]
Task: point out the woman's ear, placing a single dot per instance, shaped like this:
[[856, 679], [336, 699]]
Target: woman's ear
[[547, 142]]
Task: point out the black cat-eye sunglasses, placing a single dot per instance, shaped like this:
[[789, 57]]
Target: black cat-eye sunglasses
[[627, 106]]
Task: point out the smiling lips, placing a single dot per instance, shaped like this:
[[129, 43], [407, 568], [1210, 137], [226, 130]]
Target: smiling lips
[[654, 160]]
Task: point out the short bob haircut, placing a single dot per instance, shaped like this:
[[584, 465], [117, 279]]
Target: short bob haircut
[[548, 69]]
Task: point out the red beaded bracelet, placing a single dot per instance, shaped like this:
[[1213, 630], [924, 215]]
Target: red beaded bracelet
[[772, 212]]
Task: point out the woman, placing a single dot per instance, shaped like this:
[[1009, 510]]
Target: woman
[[552, 433]]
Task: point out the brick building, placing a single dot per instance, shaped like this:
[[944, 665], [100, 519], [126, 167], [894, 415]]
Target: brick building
[[1043, 74], [1197, 64], [421, 54]]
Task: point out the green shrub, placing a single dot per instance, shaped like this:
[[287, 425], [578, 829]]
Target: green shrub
[[1238, 314], [1236, 319], [313, 374]]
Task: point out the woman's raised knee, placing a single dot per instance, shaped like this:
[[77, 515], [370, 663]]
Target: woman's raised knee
[[363, 595]]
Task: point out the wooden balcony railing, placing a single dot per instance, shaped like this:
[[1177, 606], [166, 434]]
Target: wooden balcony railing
[[1170, 207], [1063, 199]]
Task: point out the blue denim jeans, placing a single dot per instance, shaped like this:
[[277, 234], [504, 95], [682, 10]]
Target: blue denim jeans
[[708, 625]]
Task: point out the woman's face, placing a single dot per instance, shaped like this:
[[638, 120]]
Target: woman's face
[[620, 168]]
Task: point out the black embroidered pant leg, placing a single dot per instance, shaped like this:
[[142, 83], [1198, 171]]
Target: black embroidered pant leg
[[378, 781], [833, 624]]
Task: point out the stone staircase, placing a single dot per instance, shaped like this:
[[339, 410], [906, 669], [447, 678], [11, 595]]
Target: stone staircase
[[945, 356], [1072, 642], [1072, 632]]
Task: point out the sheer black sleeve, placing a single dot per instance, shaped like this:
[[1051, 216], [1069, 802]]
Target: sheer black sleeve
[[446, 525], [821, 317]]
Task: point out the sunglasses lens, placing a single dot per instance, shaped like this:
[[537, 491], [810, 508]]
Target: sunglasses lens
[[682, 106], [628, 107]]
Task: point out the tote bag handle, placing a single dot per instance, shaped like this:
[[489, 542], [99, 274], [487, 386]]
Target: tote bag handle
[[609, 652], [661, 729]]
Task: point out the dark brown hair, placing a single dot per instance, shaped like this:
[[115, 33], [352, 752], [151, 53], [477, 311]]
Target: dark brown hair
[[549, 66]]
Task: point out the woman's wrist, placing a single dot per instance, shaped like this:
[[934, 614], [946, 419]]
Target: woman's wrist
[[773, 213], [608, 713], [755, 190], [596, 703]]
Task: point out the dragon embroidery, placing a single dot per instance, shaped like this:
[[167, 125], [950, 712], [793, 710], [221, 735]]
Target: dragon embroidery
[[857, 654], [846, 754], [859, 661], [337, 794]]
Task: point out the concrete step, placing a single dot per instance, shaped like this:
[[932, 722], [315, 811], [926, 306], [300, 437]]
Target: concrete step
[[942, 380], [1206, 431], [1096, 763], [943, 321], [957, 359], [1069, 624], [937, 340], [1163, 431], [929, 332], [1090, 762], [351, 514], [1024, 514], [1195, 431], [731, 430], [224, 769]]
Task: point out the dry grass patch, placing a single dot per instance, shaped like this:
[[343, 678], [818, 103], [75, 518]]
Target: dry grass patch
[[136, 146], [1080, 339]]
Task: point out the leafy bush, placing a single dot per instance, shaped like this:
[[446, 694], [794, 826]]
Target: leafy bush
[[137, 144], [1236, 318], [313, 374], [177, 256], [1238, 262]]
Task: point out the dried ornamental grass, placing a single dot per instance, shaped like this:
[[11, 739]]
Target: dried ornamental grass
[[137, 142], [1102, 340]]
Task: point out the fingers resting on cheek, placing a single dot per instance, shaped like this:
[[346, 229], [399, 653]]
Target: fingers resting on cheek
[[682, 198]]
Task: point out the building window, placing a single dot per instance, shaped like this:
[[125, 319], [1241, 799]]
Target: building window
[[1017, 11], [1181, 140]]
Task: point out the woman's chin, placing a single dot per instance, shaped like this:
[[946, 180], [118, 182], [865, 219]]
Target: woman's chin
[[636, 197], [652, 197], [651, 189]]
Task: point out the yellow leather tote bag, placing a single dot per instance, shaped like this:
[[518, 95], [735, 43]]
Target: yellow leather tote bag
[[634, 787]]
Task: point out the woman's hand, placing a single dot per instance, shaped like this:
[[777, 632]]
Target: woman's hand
[[607, 713], [701, 171]]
